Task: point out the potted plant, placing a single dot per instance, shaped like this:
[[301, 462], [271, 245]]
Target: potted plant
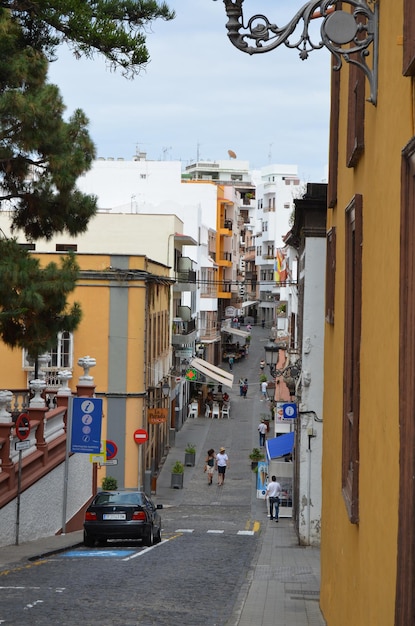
[[109, 483], [190, 455], [177, 473], [256, 456]]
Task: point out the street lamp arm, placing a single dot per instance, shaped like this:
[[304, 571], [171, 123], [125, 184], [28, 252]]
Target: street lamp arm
[[356, 28]]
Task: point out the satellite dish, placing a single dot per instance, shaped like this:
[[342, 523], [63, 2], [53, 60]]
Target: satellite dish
[[232, 154]]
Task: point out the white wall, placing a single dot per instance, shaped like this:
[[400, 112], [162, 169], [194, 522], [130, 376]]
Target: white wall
[[41, 506], [312, 386]]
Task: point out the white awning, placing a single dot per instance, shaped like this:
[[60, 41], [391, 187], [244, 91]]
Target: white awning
[[211, 371], [235, 331], [249, 303]]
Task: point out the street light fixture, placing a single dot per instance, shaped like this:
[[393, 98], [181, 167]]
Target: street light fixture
[[357, 29], [272, 352], [165, 389]]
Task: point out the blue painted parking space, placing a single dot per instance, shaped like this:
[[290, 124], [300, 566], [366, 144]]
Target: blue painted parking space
[[108, 554]]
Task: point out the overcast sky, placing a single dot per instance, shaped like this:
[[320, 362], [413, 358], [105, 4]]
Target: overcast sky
[[200, 97]]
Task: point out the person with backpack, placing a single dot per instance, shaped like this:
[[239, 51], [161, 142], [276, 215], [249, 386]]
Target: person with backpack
[[245, 388]]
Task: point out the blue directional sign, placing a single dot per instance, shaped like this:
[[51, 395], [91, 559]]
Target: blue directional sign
[[289, 410], [86, 425]]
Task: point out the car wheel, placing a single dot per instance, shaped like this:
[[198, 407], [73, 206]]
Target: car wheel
[[102, 542], [157, 538], [149, 538], [89, 541]]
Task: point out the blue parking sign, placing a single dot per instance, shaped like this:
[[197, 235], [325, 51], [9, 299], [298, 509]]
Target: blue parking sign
[[86, 425], [289, 410]]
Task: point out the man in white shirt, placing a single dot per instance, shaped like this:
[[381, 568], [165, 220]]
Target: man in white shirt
[[262, 429], [272, 493], [264, 386]]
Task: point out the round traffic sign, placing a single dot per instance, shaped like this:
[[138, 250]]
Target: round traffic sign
[[140, 435], [110, 449], [22, 426]]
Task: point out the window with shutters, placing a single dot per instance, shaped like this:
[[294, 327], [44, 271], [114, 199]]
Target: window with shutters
[[334, 138], [351, 377], [405, 580], [330, 275], [356, 116], [409, 38]]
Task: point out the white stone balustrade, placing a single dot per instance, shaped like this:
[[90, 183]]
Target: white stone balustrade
[[54, 427]]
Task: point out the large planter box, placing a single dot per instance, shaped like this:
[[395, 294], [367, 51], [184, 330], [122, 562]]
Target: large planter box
[[189, 459], [177, 481]]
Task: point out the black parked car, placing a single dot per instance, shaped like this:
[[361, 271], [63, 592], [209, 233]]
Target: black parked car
[[122, 515]]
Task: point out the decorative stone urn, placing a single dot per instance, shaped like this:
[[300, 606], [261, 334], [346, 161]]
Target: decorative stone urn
[[64, 377], [5, 399], [37, 386], [86, 362]]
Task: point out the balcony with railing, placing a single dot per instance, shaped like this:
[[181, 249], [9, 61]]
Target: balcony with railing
[[184, 332], [185, 275], [225, 290], [225, 259], [226, 227]]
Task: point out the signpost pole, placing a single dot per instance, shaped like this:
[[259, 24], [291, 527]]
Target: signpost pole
[[66, 466], [19, 484], [22, 432], [140, 468]]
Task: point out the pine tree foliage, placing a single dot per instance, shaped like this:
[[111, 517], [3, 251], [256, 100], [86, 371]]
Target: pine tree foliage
[[114, 28], [41, 155], [33, 300]]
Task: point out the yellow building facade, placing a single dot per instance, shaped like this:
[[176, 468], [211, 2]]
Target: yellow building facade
[[367, 548], [125, 326]]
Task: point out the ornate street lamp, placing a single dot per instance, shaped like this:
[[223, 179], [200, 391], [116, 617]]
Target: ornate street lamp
[[272, 351], [356, 28]]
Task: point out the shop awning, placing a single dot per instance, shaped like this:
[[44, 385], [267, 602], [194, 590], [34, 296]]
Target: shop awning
[[249, 303], [280, 446], [235, 331], [213, 372]]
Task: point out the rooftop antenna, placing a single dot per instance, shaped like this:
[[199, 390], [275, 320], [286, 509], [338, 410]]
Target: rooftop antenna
[[232, 154], [165, 151]]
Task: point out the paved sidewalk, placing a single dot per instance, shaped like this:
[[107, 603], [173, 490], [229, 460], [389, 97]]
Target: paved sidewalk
[[282, 588]]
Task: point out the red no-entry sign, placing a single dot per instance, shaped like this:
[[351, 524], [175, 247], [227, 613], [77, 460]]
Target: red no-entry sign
[[140, 435]]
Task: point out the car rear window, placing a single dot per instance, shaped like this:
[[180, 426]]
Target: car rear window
[[118, 498]]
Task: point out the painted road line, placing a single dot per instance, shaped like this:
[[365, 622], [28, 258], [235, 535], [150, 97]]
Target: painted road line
[[136, 554]]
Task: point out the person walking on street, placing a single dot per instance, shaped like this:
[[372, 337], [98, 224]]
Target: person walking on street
[[245, 388], [273, 494], [264, 386], [262, 365], [262, 429], [230, 363], [210, 465], [222, 462], [241, 386]]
